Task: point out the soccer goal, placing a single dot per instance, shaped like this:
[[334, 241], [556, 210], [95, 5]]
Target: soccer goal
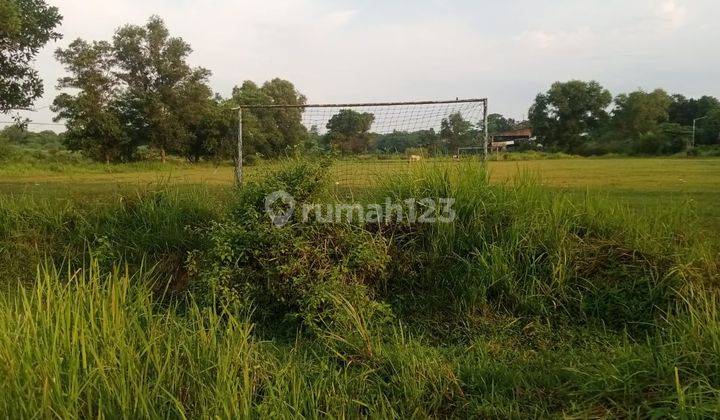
[[367, 141]]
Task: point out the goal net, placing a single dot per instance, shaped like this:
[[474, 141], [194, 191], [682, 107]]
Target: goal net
[[368, 142]]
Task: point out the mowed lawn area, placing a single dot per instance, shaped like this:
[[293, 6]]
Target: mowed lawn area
[[645, 184]]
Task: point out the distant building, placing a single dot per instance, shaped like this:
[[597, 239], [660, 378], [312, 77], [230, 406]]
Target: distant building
[[508, 140]]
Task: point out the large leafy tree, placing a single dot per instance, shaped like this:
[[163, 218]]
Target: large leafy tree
[[91, 113], [25, 27], [210, 131], [162, 90], [349, 131], [640, 112], [456, 131], [498, 123], [271, 132], [569, 112], [683, 111]]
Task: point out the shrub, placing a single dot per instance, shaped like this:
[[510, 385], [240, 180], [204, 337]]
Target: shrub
[[6, 150], [320, 275], [666, 140], [250, 160]]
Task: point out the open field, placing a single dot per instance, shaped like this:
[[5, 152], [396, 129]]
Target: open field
[[147, 291], [643, 184]]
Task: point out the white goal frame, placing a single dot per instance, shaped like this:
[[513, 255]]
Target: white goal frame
[[239, 109]]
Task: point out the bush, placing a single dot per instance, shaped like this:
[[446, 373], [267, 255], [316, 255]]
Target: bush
[[666, 140], [657, 144], [604, 146], [320, 275], [250, 160], [6, 151], [706, 151]]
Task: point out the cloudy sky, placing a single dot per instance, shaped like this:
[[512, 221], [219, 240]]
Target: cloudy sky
[[343, 50]]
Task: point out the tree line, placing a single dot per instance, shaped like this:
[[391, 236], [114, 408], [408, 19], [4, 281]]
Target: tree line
[[136, 94], [139, 90], [583, 117]]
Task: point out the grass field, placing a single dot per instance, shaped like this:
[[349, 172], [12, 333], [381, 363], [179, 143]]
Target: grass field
[[582, 288], [643, 184]]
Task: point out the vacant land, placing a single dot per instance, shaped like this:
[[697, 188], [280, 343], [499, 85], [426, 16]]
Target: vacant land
[[151, 290], [643, 184]]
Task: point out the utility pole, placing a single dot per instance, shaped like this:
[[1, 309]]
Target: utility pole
[[692, 144]]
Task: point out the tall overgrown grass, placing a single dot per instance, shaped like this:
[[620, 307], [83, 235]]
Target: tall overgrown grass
[[529, 304]]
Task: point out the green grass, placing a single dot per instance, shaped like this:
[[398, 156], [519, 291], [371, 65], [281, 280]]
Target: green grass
[[547, 297], [639, 182]]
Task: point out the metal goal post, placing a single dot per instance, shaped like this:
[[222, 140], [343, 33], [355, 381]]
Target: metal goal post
[[413, 111]]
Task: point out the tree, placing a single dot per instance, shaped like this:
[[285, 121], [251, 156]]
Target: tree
[[640, 112], [288, 121], [348, 131], [683, 111], [710, 128], [162, 90], [429, 140], [91, 115], [665, 139], [271, 132], [568, 112], [398, 141], [210, 131], [25, 27], [46, 139], [455, 132], [313, 142], [497, 123]]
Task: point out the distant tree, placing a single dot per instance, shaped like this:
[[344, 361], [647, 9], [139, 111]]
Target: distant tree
[[349, 131], [288, 121], [455, 132], [398, 141], [665, 139], [640, 112], [313, 142], [683, 111], [266, 131], [45, 139], [569, 112], [162, 89], [430, 141], [25, 27], [710, 128], [14, 134], [211, 131], [498, 123], [91, 113]]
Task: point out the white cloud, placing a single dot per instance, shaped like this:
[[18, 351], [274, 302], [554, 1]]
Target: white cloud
[[339, 18], [672, 14], [543, 39]]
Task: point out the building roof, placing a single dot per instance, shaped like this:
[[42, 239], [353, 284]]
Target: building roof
[[523, 132]]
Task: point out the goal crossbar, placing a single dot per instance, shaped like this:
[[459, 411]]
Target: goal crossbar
[[366, 104]]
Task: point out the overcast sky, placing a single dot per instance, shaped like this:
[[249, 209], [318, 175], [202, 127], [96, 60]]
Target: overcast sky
[[355, 50]]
